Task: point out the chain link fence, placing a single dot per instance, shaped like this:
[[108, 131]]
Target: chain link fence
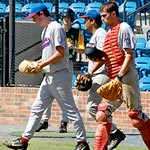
[[22, 40]]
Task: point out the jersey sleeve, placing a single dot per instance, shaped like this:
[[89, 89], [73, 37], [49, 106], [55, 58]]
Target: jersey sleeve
[[126, 37], [59, 37]]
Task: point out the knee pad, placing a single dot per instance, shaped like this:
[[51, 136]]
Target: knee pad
[[141, 125], [136, 121], [101, 117]]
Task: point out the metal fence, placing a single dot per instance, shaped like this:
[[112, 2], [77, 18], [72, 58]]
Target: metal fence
[[19, 39]]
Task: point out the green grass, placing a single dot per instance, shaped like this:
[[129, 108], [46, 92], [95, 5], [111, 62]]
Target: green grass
[[48, 144]]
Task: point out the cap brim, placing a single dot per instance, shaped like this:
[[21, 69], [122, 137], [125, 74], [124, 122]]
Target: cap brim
[[84, 16], [30, 16]]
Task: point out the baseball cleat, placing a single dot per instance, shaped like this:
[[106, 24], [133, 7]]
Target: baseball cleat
[[16, 144], [63, 127], [82, 146], [116, 139], [43, 125]]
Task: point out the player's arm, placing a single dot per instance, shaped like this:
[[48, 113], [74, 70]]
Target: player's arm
[[127, 61], [96, 66], [57, 56], [127, 39]]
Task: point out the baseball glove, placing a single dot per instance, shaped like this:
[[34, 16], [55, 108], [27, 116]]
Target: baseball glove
[[111, 90], [29, 67], [83, 82], [93, 53]]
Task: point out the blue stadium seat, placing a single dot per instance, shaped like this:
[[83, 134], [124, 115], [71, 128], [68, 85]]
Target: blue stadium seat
[[48, 1], [94, 5], [2, 7], [78, 7], [144, 84], [67, 1], [35, 1], [23, 2], [27, 8], [79, 23], [140, 42], [86, 2], [131, 6], [73, 80], [140, 45], [119, 2], [145, 73], [142, 63], [18, 7], [49, 6], [101, 1], [61, 7]]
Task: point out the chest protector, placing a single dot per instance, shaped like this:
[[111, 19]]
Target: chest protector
[[114, 56]]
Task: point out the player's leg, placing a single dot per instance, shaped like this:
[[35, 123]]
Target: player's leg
[[116, 136], [64, 121], [142, 123], [64, 96], [41, 102], [44, 121], [131, 94], [103, 118], [63, 124]]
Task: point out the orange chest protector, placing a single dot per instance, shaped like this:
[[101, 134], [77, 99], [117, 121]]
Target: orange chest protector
[[114, 56]]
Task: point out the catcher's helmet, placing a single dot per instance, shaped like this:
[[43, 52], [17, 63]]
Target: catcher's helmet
[[68, 12], [92, 52]]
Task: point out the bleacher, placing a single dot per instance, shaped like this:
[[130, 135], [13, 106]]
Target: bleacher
[[142, 60], [142, 51]]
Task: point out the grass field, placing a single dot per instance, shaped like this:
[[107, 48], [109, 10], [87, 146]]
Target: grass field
[[49, 144]]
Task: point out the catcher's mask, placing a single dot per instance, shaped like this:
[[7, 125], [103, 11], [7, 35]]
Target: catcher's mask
[[68, 12]]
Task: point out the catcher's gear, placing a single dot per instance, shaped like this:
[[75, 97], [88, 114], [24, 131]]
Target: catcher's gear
[[111, 90], [29, 67], [141, 125], [83, 82], [103, 128], [93, 53]]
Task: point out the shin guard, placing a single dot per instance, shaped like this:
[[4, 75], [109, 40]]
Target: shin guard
[[103, 129], [143, 127], [102, 136]]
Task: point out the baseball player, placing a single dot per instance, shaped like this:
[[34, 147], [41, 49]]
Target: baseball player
[[93, 24], [76, 45], [56, 84], [119, 48]]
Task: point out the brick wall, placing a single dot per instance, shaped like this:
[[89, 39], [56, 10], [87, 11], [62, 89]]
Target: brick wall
[[15, 105]]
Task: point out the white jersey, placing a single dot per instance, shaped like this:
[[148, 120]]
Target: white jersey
[[53, 36], [98, 39], [126, 38]]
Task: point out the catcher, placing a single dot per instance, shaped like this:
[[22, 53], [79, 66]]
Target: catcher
[[119, 48], [98, 71]]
